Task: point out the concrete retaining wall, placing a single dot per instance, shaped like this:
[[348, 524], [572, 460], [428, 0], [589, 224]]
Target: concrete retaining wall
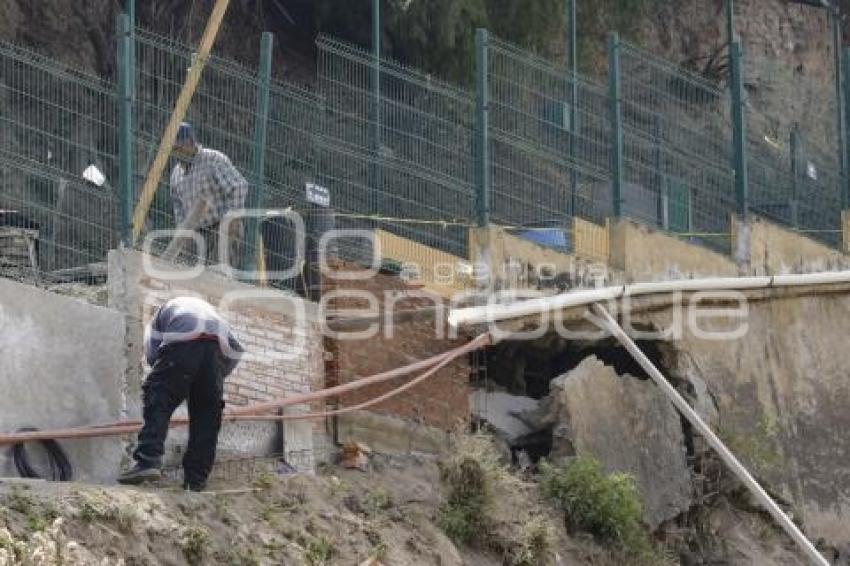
[[62, 363]]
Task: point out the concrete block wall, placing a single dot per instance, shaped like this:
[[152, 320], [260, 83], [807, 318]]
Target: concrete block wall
[[281, 335]]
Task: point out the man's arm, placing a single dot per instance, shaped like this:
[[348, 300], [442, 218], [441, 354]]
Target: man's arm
[[153, 338], [234, 187], [176, 201]]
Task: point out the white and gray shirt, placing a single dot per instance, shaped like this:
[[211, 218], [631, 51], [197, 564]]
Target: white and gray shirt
[[184, 319]]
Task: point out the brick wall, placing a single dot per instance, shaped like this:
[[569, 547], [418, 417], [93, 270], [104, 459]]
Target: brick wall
[[280, 333], [441, 401]]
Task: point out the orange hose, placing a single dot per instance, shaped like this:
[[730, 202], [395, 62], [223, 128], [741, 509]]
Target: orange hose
[[254, 412]]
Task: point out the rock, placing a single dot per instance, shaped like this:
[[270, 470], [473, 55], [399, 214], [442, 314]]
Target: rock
[[629, 426], [355, 455], [502, 412]]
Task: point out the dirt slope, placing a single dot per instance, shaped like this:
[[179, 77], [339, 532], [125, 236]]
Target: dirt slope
[[338, 517]]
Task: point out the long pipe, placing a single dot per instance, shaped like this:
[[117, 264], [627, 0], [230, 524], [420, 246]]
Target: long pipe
[[255, 412], [530, 307], [609, 324]]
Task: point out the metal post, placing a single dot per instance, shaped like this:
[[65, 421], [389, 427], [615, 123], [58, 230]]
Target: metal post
[[256, 198], [845, 125], [794, 144], [126, 71], [739, 130], [839, 92], [730, 23], [375, 134], [663, 199], [615, 100], [131, 13], [572, 61], [482, 127]]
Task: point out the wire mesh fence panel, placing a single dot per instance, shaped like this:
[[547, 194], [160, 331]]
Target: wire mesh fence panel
[[818, 193], [53, 226], [550, 154], [224, 115], [677, 150], [397, 160], [58, 147], [792, 180]]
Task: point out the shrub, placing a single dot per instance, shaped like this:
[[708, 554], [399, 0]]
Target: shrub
[[470, 474], [606, 506]]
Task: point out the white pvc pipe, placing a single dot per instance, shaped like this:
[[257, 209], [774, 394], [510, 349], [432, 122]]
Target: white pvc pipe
[[725, 454], [495, 312]]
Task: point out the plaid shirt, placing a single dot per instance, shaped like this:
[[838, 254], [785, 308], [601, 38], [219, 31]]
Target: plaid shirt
[[210, 179]]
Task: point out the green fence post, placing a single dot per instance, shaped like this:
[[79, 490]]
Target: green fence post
[[572, 61], [375, 133], [615, 100], [662, 212], [126, 71], [482, 127], [845, 126], [730, 22], [839, 91], [739, 131], [131, 13], [794, 144], [256, 198]]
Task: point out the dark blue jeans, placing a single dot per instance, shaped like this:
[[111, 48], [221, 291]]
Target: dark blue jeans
[[194, 372]]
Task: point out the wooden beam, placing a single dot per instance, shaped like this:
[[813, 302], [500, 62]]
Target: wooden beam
[[177, 115]]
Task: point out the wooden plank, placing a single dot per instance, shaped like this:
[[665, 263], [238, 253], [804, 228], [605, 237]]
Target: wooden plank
[[183, 100]]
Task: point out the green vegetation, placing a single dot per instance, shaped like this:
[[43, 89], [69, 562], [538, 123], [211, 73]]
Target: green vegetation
[[533, 544], [463, 515], [38, 517], [196, 541], [319, 551], [476, 480], [438, 36], [98, 508], [758, 448], [608, 506]]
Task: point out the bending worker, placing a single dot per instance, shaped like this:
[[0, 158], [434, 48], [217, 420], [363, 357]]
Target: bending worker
[[190, 349]]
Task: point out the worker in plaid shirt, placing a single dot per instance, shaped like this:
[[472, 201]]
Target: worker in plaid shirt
[[204, 187]]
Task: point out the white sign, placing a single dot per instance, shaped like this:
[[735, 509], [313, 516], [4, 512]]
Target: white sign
[[318, 195], [812, 171], [93, 175]]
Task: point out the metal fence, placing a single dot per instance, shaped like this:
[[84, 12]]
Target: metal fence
[[397, 149], [549, 154], [410, 158], [677, 148], [227, 118], [57, 128]]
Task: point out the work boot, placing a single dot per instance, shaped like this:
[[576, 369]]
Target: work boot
[[140, 473]]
